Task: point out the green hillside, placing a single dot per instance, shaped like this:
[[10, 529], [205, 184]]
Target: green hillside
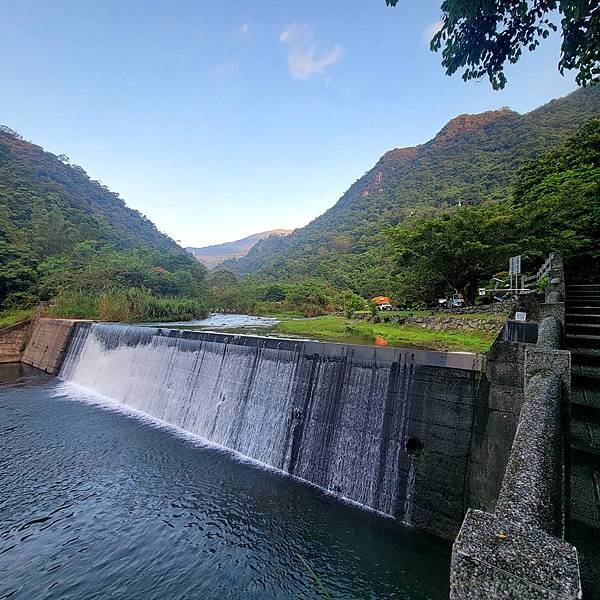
[[63, 234], [473, 159]]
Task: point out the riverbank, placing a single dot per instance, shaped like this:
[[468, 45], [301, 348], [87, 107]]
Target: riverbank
[[422, 330], [12, 316], [414, 329], [340, 329]]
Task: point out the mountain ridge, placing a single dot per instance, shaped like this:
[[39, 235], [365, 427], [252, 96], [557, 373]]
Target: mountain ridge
[[33, 181], [213, 255], [472, 159]]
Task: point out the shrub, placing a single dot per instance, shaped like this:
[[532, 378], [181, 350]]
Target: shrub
[[121, 305]]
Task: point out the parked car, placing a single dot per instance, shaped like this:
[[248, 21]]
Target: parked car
[[382, 302], [453, 301]]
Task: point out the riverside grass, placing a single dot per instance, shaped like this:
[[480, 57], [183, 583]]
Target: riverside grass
[[340, 329], [12, 316], [126, 306]]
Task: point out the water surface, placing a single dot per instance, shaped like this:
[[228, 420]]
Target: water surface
[[96, 503]]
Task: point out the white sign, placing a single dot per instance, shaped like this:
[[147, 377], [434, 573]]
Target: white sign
[[481, 291], [514, 265], [520, 316]]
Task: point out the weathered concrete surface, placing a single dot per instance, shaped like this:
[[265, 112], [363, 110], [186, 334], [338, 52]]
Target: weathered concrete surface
[[497, 558], [512, 553], [550, 333], [47, 344], [12, 342], [532, 492], [493, 428]]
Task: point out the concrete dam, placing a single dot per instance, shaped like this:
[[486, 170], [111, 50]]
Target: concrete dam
[[402, 432]]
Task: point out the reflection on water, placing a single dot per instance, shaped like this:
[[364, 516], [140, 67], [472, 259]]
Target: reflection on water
[[98, 504]]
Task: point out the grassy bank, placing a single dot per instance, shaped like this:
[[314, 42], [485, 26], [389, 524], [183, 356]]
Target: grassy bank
[[12, 316], [354, 331], [126, 306]]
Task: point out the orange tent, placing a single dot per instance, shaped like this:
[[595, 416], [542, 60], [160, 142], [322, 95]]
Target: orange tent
[[381, 300]]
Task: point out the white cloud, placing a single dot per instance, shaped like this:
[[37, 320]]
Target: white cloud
[[243, 30], [305, 57], [431, 30]]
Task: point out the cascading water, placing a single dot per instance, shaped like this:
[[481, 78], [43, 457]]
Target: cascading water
[[330, 414], [410, 492]]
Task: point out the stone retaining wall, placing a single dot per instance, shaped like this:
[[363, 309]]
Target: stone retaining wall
[[48, 343], [499, 308], [450, 323], [439, 321], [12, 341]]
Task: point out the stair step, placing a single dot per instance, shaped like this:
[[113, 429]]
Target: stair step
[[584, 488], [584, 310], [582, 318], [583, 341], [583, 303], [585, 356], [588, 371], [585, 457], [582, 413], [591, 299], [585, 397], [583, 328]]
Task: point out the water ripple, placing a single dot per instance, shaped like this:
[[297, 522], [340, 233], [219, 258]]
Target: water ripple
[[97, 504]]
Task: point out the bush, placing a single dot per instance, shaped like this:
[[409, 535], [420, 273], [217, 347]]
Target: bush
[[128, 306]]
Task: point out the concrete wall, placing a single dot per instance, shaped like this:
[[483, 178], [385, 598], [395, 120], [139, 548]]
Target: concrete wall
[[12, 342], [517, 550], [47, 344]]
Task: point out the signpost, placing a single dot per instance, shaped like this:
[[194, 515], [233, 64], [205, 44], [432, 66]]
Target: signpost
[[514, 270]]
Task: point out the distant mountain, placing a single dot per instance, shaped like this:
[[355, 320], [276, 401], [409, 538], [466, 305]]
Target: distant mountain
[[211, 256], [472, 159]]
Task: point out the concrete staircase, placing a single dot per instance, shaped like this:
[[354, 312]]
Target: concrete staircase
[[583, 341]]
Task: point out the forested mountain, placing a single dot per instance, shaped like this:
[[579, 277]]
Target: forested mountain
[[211, 256], [473, 159], [63, 233], [48, 203]]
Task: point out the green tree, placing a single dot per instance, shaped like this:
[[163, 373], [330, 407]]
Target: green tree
[[273, 293], [353, 303], [557, 201], [457, 250], [555, 206], [481, 36]]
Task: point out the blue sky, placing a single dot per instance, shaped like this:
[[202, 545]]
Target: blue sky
[[220, 119]]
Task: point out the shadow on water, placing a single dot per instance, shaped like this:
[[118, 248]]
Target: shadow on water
[[99, 504]]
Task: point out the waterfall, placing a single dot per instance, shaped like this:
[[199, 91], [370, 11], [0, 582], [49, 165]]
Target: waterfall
[[331, 414], [410, 492]]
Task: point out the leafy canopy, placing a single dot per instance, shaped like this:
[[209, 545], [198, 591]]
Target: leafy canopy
[[481, 36], [555, 207]]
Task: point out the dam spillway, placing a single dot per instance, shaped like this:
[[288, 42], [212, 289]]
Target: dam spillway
[[390, 429]]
